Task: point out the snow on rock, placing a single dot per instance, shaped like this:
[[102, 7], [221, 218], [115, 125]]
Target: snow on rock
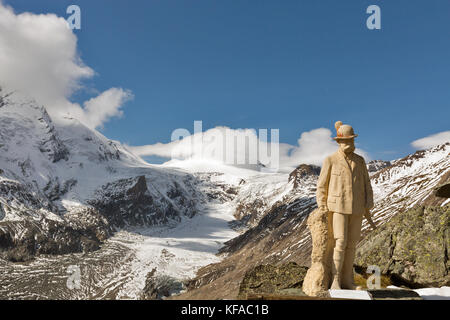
[[408, 181]]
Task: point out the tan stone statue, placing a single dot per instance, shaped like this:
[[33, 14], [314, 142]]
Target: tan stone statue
[[344, 195]]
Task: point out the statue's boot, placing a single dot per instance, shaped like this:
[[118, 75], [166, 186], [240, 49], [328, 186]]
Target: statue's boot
[[340, 224], [336, 270], [347, 279]]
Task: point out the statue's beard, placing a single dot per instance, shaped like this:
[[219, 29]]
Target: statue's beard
[[347, 148]]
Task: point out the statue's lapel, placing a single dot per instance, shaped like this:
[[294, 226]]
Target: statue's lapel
[[344, 162]]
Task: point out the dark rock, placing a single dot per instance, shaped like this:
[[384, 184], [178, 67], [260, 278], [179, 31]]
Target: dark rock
[[443, 190], [398, 294], [51, 143], [4, 97], [303, 171], [159, 287], [269, 279], [22, 240], [376, 165], [20, 253], [127, 201]]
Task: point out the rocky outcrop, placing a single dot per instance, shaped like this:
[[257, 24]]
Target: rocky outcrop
[[376, 165], [50, 144], [318, 278], [128, 202], [159, 287], [412, 248], [270, 279], [303, 171], [33, 225], [22, 240], [443, 190]]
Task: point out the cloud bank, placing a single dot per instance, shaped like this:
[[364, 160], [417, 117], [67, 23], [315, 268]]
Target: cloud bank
[[38, 59], [432, 140], [312, 147]]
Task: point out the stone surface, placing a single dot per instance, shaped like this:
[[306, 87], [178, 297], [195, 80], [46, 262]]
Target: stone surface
[[397, 294], [317, 280], [285, 279], [412, 248]]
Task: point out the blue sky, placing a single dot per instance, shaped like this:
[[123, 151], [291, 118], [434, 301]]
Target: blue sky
[[291, 65]]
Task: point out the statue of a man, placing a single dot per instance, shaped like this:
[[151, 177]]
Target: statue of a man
[[344, 190]]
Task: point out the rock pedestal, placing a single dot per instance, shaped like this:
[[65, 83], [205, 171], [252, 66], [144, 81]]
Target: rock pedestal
[[318, 278]]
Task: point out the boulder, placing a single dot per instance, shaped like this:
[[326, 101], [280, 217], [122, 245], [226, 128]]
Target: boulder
[[412, 248], [318, 278], [269, 279]]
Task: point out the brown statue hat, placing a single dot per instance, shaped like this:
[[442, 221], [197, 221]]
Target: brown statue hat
[[344, 131]]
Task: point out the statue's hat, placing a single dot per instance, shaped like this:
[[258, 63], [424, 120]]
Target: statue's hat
[[344, 131]]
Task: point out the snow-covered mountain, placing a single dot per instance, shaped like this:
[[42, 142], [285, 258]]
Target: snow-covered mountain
[[65, 188]]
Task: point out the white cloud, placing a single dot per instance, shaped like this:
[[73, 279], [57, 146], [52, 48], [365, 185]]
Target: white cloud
[[105, 106], [312, 148], [38, 58], [233, 146], [432, 140]]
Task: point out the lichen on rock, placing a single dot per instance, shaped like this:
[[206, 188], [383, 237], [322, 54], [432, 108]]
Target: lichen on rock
[[412, 248]]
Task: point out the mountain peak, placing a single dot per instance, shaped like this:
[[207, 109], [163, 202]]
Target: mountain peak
[[303, 171]]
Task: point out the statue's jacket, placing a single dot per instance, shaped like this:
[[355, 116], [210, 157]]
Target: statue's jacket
[[341, 189]]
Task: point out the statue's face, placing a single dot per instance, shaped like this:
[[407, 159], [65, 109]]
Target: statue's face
[[347, 145]]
